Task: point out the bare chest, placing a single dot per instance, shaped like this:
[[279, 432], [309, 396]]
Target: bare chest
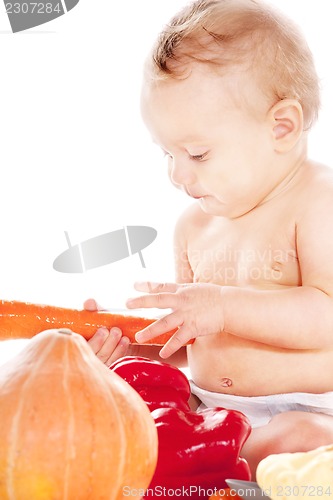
[[260, 254]]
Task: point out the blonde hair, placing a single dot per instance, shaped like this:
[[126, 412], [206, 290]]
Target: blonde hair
[[230, 33]]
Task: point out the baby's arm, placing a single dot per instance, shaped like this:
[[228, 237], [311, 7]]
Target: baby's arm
[[296, 317], [299, 317]]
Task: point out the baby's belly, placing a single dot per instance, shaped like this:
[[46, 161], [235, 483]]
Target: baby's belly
[[226, 363]]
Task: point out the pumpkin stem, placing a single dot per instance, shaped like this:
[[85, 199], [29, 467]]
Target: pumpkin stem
[[66, 331]]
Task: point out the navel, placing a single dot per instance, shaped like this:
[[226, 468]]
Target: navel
[[226, 382]]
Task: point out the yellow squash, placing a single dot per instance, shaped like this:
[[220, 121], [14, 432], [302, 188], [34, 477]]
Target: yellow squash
[[291, 476]]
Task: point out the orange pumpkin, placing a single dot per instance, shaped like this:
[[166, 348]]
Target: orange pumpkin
[[70, 429]]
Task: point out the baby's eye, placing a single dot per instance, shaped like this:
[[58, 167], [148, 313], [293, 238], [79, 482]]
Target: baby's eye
[[198, 157]]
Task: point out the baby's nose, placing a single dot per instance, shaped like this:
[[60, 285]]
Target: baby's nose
[[181, 173]]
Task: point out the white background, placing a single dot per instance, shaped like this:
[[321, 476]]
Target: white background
[[75, 155]]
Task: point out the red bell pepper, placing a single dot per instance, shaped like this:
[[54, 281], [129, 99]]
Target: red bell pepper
[[159, 384], [198, 451]]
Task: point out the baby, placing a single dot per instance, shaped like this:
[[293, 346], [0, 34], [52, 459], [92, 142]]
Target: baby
[[230, 93]]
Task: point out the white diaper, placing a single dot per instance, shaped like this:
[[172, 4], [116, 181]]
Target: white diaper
[[260, 409]]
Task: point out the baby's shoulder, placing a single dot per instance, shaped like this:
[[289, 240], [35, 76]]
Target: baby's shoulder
[[318, 179], [190, 224], [192, 217], [316, 191]]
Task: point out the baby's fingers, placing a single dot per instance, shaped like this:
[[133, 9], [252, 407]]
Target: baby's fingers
[[156, 300], [178, 340], [152, 287], [91, 305], [108, 345], [104, 341], [162, 325]]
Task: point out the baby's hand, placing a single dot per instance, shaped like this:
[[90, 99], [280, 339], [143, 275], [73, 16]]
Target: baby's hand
[[197, 309], [108, 345]]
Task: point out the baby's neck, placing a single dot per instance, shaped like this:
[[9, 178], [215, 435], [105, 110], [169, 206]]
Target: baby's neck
[[292, 164]]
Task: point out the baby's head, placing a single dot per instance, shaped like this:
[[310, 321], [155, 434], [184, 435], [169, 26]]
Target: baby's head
[[247, 34], [229, 90]]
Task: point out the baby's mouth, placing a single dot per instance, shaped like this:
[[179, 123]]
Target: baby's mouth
[[195, 196]]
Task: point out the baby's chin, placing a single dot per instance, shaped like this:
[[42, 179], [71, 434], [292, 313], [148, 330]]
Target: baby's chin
[[214, 207]]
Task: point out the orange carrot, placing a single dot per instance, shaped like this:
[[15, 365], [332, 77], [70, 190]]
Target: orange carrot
[[24, 320]]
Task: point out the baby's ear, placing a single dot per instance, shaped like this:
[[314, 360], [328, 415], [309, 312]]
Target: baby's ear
[[286, 121]]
